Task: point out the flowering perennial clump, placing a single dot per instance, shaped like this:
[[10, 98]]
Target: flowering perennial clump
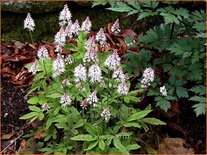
[[29, 23]]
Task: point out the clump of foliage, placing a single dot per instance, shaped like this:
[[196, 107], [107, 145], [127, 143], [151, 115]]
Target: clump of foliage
[[174, 47], [82, 97]]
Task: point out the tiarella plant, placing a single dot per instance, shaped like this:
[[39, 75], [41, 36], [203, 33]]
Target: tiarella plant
[[83, 97], [174, 48]]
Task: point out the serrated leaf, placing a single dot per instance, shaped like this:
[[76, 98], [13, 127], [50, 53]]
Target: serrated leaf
[[153, 121], [200, 109], [201, 90], [34, 108], [119, 146], [138, 115], [29, 115], [198, 99], [92, 145], [182, 92], [162, 103], [132, 147], [132, 124], [55, 95]]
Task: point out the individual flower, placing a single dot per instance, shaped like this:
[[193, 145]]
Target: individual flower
[[115, 27], [65, 100], [66, 82], [75, 28], [86, 25], [119, 75], [42, 52], [106, 114], [122, 88], [94, 73], [58, 66], [148, 77], [45, 107], [60, 37], [163, 91], [34, 68], [90, 56], [84, 104], [68, 59], [29, 23], [101, 37], [69, 30], [113, 61], [92, 99], [64, 16], [80, 73]]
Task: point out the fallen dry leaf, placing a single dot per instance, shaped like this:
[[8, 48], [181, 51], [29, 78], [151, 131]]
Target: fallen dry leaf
[[174, 146]]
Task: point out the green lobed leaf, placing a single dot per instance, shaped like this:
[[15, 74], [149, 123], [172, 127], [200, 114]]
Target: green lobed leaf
[[138, 115], [153, 121], [83, 137], [119, 146]]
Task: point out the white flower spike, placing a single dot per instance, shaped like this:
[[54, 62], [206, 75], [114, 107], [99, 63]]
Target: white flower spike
[[94, 73], [42, 52], [113, 61], [58, 66], [29, 23], [65, 16], [115, 27], [86, 25], [80, 73]]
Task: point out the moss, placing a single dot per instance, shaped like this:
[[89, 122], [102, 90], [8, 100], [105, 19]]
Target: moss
[[47, 23]]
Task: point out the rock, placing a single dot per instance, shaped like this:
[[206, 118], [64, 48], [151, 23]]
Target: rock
[[174, 146], [32, 7]]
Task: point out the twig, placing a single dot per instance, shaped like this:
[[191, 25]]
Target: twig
[[12, 143]]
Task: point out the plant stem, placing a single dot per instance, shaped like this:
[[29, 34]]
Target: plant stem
[[31, 37]]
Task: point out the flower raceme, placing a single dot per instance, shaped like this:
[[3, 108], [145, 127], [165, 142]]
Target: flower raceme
[[65, 15], [65, 100], [60, 37], [148, 77], [29, 23], [86, 25], [115, 27], [94, 73], [58, 66], [101, 37], [113, 61], [42, 52], [80, 73]]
